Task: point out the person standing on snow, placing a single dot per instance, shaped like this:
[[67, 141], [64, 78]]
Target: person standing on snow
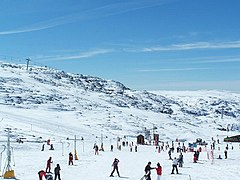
[[225, 153], [49, 161], [174, 165], [195, 157], [70, 159], [115, 167], [169, 154], [95, 147], [43, 147], [159, 171], [180, 160], [57, 172], [148, 171]]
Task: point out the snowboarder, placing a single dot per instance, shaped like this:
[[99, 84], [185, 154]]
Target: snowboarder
[[49, 161], [57, 172], [174, 165], [41, 174], [115, 167], [159, 171], [148, 171], [70, 159]]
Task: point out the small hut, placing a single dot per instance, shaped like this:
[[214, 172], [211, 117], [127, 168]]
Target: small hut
[[232, 139], [140, 139]]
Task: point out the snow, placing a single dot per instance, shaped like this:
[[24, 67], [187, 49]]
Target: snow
[[46, 104], [29, 160]]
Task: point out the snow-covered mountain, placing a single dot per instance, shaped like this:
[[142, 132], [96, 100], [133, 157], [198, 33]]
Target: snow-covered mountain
[[42, 103], [91, 104]]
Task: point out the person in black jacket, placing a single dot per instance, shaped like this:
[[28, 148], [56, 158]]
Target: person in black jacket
[[115, 167], [57, 172], [148, 171]]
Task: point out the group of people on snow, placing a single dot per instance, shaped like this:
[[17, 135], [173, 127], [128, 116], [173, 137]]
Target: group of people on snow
[[176, 162], [48, 174]]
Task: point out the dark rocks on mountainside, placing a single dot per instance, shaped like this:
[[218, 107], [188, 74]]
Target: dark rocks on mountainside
[[16, 90]]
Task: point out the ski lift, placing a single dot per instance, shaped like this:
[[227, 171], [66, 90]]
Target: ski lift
[[8, 171], [1, 157]]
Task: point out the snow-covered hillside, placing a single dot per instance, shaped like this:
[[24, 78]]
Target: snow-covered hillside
[[41, 103], [91, 104]]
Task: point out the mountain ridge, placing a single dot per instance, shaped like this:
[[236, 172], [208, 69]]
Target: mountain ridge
[[111, 107]]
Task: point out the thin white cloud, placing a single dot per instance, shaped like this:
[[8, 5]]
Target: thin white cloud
[[172, 69], [121, 8], [206, 59], [192, 46], [40, 26], [75, 56], [219, 60], [95, 13]]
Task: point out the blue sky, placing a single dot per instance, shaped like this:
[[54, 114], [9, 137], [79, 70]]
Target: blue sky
[[144, 44]]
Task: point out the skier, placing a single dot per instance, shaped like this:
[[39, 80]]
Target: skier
[[48, 142], [174, 165], [115, 167], [136, 148], [49, 161], [102, 149], [195, 157], [159, 171], [225, 153], [111, 147], [180, 160], [95, 147], [41, 174], [43, 147], [130, 148], [148, 171], [51, 147], [70, 159], [197, 154], [169, 154], [57, 172]]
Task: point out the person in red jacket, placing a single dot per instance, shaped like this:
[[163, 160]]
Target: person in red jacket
[[49, 161], [159, 171], [41, 174]]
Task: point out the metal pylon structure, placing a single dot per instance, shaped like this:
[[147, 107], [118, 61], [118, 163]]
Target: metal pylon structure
[[8, 172]]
